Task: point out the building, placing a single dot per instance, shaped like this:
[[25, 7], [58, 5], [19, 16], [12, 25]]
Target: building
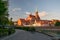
[[33, 20]]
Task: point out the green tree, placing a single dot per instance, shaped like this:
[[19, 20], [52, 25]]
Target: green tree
[[57, 23], [3, 12], [11, 22]]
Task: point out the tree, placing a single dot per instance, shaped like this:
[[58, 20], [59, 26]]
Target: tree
[[10, 21], [3, 12], [57, 23]]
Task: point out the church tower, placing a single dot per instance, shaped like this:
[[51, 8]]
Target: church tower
[[37, 15]]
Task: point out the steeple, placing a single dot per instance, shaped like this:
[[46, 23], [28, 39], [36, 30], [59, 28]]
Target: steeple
[[36, 11], [37, 15]]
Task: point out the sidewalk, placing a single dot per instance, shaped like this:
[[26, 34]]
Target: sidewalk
[[25, 35]]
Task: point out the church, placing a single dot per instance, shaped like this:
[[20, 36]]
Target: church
[[34, 20]]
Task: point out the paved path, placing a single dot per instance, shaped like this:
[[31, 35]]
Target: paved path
[[25, 35]]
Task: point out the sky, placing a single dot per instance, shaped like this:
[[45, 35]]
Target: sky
[[48, 9]]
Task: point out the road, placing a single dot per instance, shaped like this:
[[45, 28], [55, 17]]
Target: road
[[25, 35]]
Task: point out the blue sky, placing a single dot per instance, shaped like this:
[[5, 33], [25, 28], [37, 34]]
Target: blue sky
[[18, 8]]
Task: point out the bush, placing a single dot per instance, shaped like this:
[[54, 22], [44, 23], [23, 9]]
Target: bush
[[6, 31], [26, 28], [31, 29], [57, 23]]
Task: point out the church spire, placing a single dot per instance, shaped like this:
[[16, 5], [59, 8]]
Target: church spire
[[37, 15], [36, 10]]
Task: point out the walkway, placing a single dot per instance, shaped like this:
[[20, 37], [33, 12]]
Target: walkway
[[25, 35]]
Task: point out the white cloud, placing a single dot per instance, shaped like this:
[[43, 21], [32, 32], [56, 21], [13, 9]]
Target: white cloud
[[16, 9], [42, 14], [28, 13]]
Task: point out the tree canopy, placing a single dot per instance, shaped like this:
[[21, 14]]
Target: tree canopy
[[3, 12], [57, 23]]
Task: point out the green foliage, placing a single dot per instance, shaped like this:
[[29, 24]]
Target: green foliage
[[58, 32], [3, 8], [6, 31], [57, 23], [26, 28], [3, 13], [4, 21], [11, 22]]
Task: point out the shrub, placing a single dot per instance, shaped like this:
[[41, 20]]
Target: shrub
[[57, 23]]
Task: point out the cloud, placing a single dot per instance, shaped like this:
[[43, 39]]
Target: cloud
[[16, 9], [42, 14], [28, 13]]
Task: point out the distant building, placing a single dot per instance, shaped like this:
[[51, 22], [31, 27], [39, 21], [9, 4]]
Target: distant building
[[21, 22], [42, 23], [34, 20]]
